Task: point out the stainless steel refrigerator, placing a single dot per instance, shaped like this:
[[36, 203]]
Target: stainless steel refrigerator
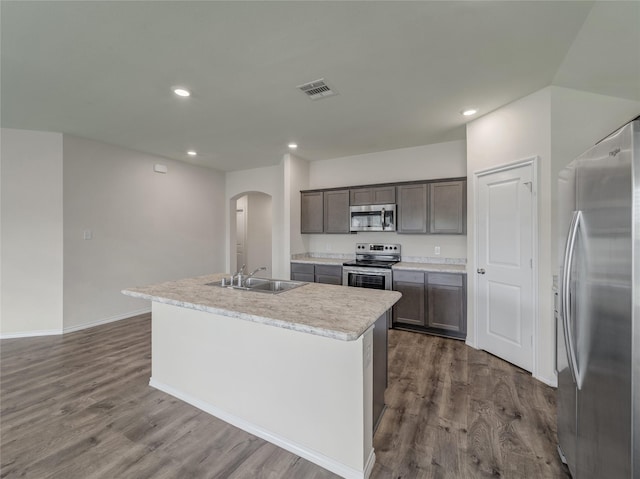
[[598, 320]]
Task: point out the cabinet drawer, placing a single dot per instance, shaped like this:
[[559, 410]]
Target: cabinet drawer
[[306, 277], [445, 279], [329, 270], [408, 276], [325, 279], [302, 268]]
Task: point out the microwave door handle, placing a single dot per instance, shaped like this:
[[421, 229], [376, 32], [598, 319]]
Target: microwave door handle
[[382, 212]]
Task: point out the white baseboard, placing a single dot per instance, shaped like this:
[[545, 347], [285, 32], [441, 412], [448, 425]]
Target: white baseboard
[[110, 319], [31, 334], [298, 449], [553, 382], [55, 332]]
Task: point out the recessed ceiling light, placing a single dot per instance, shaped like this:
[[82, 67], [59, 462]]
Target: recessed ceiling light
[[469, 112], [293, 146], [192, 153], [181, 91]]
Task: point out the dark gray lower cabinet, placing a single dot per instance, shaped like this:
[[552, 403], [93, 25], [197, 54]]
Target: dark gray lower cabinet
[[302, 272], [410, 308], [316, 273], [446, 303], [328, 274], [431, 303], [379, 367]]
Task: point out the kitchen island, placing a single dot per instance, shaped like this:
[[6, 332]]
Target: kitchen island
[[295, 368]]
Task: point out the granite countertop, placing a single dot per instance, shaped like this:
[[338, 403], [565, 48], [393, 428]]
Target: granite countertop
[[327, 261], [336, 312], [431, 267], [434, 265]]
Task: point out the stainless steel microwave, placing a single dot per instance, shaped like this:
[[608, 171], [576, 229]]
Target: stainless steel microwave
[[373, 218]]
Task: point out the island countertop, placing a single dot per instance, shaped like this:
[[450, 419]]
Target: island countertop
[[338, 312]]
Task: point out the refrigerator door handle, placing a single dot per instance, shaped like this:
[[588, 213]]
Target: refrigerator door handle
[[565, 292]]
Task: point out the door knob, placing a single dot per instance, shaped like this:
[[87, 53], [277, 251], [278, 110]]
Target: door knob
[[481, 271]]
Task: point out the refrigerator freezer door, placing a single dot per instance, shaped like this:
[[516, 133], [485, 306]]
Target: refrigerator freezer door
[[566, 393], [601, 304]]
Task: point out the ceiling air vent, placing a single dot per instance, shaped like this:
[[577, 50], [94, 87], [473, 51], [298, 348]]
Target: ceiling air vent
[[317, 89]]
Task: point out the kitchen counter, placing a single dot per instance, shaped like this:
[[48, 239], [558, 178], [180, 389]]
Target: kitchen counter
[[304, 369], [431, 267], [444, 265], [325, 310], [327, 261]]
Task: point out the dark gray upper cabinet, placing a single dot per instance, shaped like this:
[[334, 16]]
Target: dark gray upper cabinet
[[412, 208], [336, 211], [447, 207], [311, 212], [381, 195], [430, 206]]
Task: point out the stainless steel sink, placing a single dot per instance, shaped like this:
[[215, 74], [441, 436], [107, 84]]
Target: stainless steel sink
[[261, 285]]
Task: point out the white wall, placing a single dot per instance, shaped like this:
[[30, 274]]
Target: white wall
[[296, 178], [578, 120], [515, 132], [259, 221], [31, 261], [440, 160], [269, 180], [555, 124], [147, 227]]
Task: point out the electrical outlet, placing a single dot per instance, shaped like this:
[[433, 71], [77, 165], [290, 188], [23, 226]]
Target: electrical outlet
[[436, 250], [87, 235]]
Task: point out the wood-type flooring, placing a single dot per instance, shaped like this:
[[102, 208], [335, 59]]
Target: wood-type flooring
[[79, 406]]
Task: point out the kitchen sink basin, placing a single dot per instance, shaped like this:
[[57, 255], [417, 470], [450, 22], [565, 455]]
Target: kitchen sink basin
[[261, 285]]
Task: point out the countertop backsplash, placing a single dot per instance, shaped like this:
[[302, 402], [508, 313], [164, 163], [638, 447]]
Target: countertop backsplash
[[405, 259]]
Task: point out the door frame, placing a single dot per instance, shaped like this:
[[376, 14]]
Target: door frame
[[532, 161]]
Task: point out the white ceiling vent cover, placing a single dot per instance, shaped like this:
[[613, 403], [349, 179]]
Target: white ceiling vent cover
[[317, 89]]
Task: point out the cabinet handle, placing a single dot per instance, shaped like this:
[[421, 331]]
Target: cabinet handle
[[481, 271]]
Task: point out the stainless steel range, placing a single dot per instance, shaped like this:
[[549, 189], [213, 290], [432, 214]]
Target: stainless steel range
[[372, 266]]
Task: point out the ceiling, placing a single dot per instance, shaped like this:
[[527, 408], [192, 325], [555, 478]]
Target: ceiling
[[403, 70]]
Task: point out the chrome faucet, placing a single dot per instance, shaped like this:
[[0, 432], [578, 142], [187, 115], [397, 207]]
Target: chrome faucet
[[261, 268], [238, 275]]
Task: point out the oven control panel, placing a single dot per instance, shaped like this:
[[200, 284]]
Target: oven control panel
[[377, 248]]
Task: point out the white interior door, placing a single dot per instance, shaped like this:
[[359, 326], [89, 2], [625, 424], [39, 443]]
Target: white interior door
[[504, 273]]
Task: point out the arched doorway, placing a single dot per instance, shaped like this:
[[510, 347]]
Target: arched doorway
[[251, 231]]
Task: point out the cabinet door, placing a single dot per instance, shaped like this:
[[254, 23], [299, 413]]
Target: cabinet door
[[361, 196], [384, 195], [336, 211], [447, 207], [311, 212], [412, 208], [302, 272], [446, 302], [379, 195], [410, 308], [328, 274]]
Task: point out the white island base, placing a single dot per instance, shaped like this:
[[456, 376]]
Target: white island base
[[309, 394]]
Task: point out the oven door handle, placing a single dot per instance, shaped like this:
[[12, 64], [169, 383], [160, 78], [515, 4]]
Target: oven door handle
[[366, 272]]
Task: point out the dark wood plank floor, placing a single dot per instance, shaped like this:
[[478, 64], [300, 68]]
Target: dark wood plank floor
[[79, 406]]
